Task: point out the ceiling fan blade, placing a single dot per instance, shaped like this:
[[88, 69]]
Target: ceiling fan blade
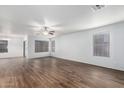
[[51, 32]]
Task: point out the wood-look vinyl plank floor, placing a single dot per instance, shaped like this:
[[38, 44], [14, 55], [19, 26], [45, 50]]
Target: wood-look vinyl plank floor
[[50, 72]]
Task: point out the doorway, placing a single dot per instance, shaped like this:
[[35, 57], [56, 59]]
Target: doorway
[[24, 49]]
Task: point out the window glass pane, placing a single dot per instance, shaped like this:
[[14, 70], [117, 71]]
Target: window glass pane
[[3, 46], [53, 46], [101, 45], [41, 46]]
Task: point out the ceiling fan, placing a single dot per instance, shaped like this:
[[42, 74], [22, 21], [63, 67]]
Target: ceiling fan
[[47, 31], [45, 27]]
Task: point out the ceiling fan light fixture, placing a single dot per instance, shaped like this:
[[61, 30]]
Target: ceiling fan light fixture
[[45, 32]]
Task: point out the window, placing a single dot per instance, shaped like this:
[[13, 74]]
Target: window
[[101, 45], [41, 46], [3, 46], [53, 46]]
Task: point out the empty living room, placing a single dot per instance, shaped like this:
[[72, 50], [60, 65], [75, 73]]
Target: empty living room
[[61, 46]]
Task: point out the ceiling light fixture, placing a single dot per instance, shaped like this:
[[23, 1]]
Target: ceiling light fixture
[[45, 31]]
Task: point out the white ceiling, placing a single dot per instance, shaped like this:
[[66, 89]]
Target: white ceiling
[[63, 19]]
